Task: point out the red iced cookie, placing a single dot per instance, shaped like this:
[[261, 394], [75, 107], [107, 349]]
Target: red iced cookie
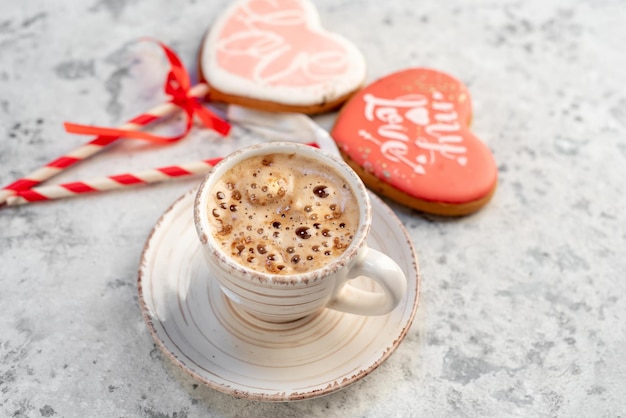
[[408, 137]]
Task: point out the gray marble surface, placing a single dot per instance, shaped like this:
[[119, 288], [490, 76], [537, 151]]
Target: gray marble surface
[[523, 305]]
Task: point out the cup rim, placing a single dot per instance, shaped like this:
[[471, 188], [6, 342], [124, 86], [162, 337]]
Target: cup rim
[[360, 191]]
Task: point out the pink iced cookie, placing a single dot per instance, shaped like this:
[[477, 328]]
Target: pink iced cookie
[[275, 56]]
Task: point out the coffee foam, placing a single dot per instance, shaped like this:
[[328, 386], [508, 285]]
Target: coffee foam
[[282, 213]]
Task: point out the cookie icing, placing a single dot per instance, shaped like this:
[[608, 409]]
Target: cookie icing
[[276, 50], [411, 130]]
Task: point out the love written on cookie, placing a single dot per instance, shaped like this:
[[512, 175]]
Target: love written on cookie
[[276, 51], [408, 137]]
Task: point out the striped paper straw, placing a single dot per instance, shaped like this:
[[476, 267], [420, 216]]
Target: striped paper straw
[[93, 147], [118, 181]]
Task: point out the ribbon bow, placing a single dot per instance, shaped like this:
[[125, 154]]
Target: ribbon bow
[[177, 85]]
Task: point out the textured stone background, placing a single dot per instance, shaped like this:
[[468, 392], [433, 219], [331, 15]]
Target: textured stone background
[[523, 304]]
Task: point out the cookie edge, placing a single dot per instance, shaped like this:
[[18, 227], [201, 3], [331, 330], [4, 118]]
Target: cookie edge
[[448, 209]]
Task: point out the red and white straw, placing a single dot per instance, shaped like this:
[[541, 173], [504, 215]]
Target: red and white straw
[[118, 181], [93, 147]]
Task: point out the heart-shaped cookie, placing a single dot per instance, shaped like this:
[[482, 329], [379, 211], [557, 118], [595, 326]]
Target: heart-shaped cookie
[[408, 137], [274, 55]]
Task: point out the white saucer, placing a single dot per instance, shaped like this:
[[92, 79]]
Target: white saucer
[[197, 328]]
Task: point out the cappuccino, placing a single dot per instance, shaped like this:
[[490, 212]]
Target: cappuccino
[[282, 213]]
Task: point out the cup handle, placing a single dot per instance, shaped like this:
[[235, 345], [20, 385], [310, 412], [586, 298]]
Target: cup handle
[[384, 271]]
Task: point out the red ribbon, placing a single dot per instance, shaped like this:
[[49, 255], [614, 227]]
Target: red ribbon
[[177, 85]]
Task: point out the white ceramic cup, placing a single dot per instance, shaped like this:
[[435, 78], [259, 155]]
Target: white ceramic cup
[[288, 297]]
